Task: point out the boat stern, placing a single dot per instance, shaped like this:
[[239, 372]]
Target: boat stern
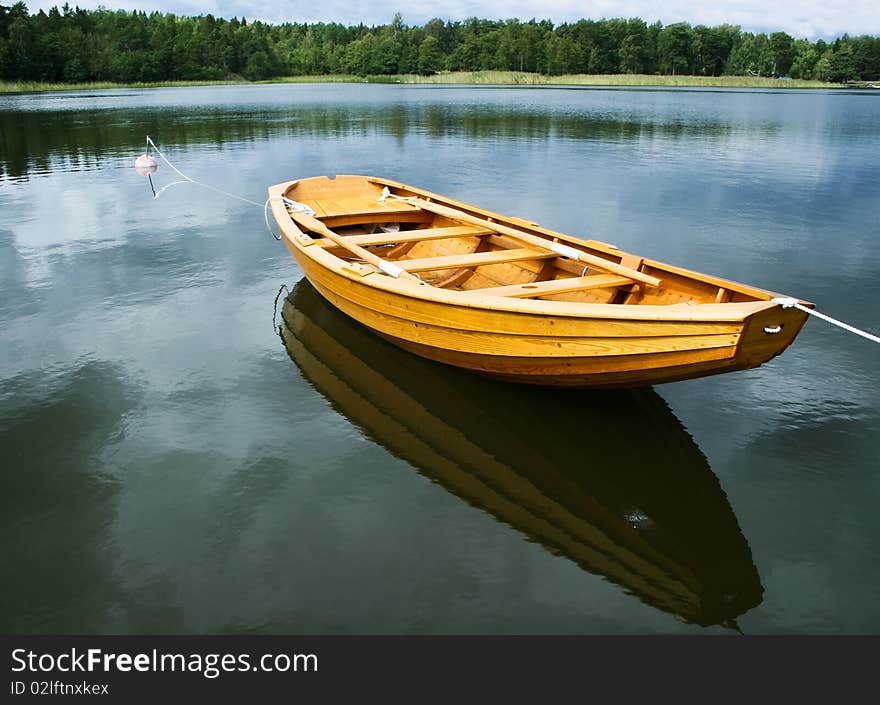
[[768, 332]]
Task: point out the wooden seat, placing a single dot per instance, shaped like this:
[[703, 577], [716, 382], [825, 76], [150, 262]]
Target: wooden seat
[[474, 259], [555, 286], [341, 212], [357, 205], [410, 236], [378, 216]]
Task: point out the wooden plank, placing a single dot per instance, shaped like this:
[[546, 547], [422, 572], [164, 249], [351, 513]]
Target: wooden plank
[[311, 223], [627, 370], [535, 241], [411, 236], [413, 216], [343, 205], [662, 268], [456, 277], [555, 286], [450, 340], [476, 259]]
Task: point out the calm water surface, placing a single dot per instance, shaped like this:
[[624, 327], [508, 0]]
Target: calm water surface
[[172, 464]]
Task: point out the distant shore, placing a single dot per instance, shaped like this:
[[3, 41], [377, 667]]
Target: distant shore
[[473, 78]]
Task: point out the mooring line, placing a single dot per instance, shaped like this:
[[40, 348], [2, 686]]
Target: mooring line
[[194, 181], [793, 303], [150, 167]]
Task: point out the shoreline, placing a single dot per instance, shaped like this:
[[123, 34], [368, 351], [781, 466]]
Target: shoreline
[[473, 78]]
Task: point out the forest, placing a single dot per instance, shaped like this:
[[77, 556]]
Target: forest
[[72, 45]]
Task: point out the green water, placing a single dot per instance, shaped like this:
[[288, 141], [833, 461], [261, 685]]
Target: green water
[[170, 463]]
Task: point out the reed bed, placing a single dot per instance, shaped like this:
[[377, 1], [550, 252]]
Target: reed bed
[[465, 78]]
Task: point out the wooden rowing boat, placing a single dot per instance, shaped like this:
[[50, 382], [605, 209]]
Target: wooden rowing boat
[[662, 529], [507, 298]]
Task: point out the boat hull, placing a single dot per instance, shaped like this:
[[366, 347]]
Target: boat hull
[[694, 325], [568, 352]]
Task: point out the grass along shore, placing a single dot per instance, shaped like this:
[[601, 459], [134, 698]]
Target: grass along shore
[[472, 78], [516, 78], [41, 87]]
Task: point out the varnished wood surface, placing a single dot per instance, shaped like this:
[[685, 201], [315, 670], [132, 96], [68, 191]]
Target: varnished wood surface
[[473, 302], [557, 286], [529, 238], [411, 236], [475, 259]]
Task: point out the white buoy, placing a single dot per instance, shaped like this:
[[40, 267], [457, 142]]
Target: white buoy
[[145, 165]]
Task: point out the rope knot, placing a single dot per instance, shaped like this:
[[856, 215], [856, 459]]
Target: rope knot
[[785, 302]]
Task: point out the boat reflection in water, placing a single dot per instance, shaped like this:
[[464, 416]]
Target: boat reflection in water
[[608, 479]]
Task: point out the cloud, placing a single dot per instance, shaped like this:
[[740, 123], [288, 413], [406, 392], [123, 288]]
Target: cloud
[[801, 18]]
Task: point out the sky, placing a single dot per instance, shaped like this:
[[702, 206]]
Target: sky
[[812, 19]]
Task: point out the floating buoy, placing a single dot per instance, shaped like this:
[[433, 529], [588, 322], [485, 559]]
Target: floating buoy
[[145, 165]]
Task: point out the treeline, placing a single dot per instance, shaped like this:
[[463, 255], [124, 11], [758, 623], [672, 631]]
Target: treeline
[[75, 45]]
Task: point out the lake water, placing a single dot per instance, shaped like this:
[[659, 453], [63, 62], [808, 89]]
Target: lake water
[[170, 463]]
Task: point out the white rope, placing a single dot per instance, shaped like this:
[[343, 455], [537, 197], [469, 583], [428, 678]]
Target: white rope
[[193, 181], [793, 303], [290, 203]]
